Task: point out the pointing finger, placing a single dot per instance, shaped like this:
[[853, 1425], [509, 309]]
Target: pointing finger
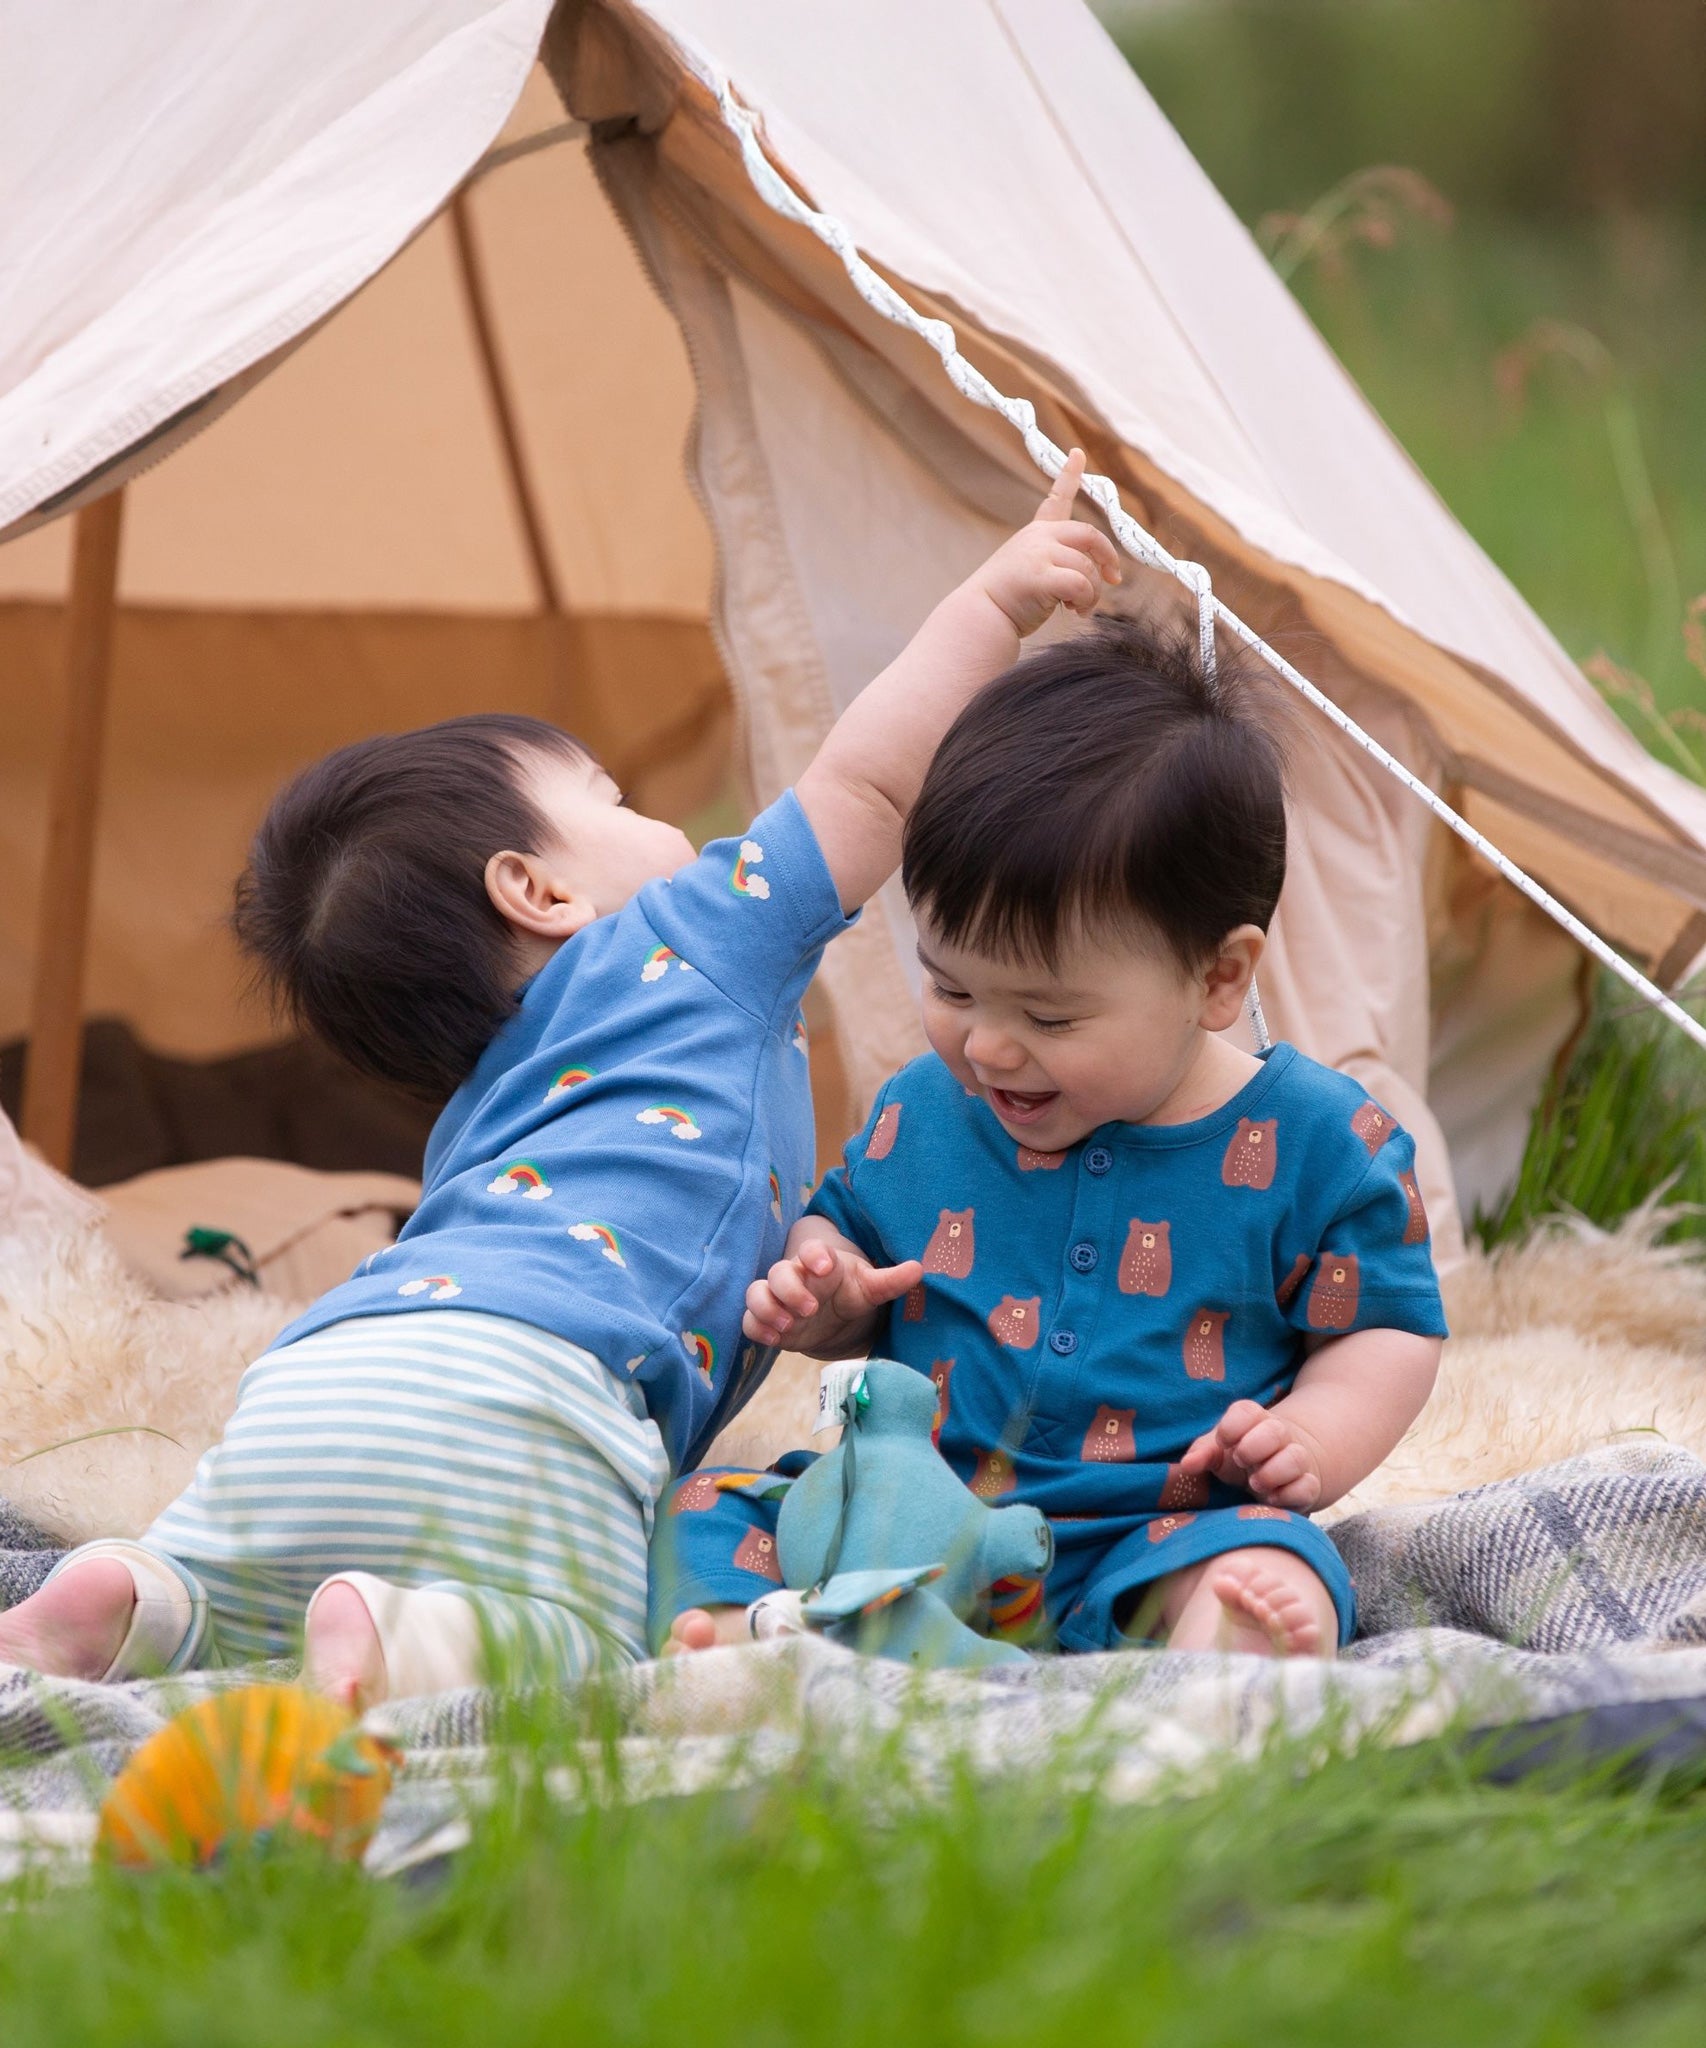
[[884, 1283], [1201, 1455], [1058, 503]]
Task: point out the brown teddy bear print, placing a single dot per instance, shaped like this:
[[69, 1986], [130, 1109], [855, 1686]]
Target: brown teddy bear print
[[1205, 1344], [1109, 1439], [1250, 1154], [1016, 1323], [1293, 1280], [1258, 1514], [1333, 1298], [1182, 1489], [953, 1244], [941, 1372], [1146, 1265], [912, 1309], [887, 1130], [1164, 1526], [1372, 1125], [1031, 1161], [693, 1496], [756, 1552], [993, 1475], [1416, 1226]]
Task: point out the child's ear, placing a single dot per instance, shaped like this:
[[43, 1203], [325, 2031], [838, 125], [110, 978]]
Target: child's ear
[[1226, 981], [528, 896]]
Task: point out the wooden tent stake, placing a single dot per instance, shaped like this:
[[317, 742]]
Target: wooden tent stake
[[54, 1064]]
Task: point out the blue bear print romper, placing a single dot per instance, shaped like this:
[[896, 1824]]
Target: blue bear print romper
[[1087, 1314]]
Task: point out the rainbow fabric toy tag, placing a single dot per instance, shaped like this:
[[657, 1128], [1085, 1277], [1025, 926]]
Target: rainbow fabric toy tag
[[839, 1386]]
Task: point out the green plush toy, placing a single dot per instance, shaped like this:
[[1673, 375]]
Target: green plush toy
[[895, 1550]]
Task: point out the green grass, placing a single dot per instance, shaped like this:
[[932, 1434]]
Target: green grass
[[1390, 1898], [1625, 1123]]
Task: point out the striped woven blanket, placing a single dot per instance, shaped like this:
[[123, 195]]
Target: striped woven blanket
[[1565, 1608]]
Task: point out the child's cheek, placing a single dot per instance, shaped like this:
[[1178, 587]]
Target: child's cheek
[[946, 1031]]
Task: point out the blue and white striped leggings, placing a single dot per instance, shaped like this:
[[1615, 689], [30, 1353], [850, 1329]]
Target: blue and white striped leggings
[[502, 1471]]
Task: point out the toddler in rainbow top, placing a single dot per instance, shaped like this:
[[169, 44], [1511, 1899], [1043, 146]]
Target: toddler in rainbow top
[[448, 1468], [1173, 1294]]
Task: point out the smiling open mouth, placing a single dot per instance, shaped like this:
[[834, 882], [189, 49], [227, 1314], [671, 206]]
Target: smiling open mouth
[[1021, 1108]]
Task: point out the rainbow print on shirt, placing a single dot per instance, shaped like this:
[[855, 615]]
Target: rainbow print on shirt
[[656, 963], [741, 879], [601, 1235], [775, 1198], [679, 1123], [800, 1042], [570, 1077], [436, 1287], [521, 1177], [702, 1352]]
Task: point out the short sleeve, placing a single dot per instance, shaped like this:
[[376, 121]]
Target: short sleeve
[[1373, 1268], [752, 914], [836, 1200]]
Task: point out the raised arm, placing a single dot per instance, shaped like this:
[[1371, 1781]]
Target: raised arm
[[868, 772]]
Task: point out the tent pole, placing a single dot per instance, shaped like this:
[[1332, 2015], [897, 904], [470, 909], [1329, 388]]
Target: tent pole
[[53, 1067], [563, 644], [503, 407]]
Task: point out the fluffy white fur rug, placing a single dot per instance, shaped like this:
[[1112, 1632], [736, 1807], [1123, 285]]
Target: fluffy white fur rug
[[109, 1394]]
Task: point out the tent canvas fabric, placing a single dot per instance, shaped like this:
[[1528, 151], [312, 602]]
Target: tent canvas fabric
[[344, 549]]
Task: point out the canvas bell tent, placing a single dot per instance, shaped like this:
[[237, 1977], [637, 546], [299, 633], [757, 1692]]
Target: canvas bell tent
[[413, 416]]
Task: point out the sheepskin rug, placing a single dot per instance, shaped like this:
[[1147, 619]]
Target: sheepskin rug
[[109, 1394]]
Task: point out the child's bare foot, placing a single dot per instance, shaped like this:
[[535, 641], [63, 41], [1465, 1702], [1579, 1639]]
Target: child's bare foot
[[1264, 1613], [74, 1627], [1262, 1602], [342, 1657], [707, 1628]]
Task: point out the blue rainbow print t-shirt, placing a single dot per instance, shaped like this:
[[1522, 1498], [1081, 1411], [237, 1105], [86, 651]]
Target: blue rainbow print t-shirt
[[635, 1141]]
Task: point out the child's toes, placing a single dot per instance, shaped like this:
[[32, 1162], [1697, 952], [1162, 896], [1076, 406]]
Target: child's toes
[[1286, 1616], [693, 1630], [1262, 1603]]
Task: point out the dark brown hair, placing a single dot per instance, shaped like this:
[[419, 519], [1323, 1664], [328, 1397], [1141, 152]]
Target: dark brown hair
[[364, 904], [1101, 786]]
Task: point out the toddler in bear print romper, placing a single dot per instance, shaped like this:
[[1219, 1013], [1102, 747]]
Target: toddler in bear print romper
[[1170, 1293]]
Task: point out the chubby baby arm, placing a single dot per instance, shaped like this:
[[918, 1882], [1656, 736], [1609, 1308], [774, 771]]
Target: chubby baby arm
[[824, 1297], [863, 782], [1351, 1403]]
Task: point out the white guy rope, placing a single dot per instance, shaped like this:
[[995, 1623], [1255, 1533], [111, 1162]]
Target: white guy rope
[[1020, 414]]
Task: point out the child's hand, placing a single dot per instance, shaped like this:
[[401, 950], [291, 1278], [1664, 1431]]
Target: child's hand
[[824, 1297], [1264, 1452], [1055, 560]]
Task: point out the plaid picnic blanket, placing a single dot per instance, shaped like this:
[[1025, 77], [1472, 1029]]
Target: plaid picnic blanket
[[1573, 1597]]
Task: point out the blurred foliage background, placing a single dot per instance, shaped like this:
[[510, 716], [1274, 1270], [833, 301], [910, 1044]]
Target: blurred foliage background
[[1495, 211]]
